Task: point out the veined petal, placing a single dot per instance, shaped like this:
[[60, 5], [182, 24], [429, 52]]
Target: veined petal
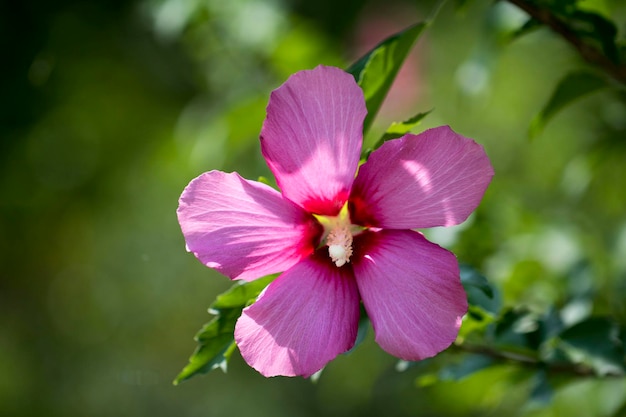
[[436, 178], [305, 318], [244, 229], [312, 137], [411, 290]]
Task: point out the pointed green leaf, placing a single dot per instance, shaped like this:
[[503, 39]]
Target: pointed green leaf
[[396, 130], [575, 85], [216, 344], [241, 293], [216, 341], [376, 70]]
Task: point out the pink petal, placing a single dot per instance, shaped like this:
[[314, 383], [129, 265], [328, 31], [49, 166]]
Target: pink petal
[[312, 137], [303, 320], [242, 228], [436, 178], [411, 290]]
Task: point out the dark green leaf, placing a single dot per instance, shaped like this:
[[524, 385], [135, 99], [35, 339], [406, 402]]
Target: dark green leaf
[[575, 85], [597, 29], [519, 330], [595, 342], [541, 392], [376, 70], [215, 339], [479, 292], [364, 324], [472, 278], [470, 364], [529, 26]]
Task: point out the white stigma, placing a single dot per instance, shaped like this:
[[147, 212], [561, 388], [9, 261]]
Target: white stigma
[[339, 242]]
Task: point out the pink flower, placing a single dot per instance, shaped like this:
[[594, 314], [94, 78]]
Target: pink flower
[[339, 238]]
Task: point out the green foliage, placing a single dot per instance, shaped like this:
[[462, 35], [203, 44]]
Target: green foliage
[[480, 292], [377, 69], [595, 343], [215, 339], [572, 87], [592, 33], [578, 24]]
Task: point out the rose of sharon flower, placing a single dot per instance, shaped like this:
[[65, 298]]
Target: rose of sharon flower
[[337, 238]]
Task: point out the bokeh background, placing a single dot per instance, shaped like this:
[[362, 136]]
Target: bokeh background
[[109, 108]]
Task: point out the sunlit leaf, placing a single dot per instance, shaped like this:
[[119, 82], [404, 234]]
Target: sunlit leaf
[[396, 130], [241, 293], [215, 340], [574, 86], [216, 344], [376, 70]]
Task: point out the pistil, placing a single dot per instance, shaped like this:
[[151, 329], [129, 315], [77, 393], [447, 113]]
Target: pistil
[[339, 242]]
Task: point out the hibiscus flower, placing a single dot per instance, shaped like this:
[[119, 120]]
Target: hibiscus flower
[[339, 233]]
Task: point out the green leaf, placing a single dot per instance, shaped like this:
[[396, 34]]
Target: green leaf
[[541, 392], [376, 70], [595, 343], [479, 291], [528, 27], [472, 278], [396, 130], [364, 324], [216, 342], [470, 364], [575, 85], [519, 330], [241, 293], [595, 28]]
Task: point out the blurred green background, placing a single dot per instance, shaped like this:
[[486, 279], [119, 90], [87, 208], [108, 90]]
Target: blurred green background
[[109, 108]]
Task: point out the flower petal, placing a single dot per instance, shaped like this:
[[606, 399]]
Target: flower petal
[[312, 137], [436, 178], [244, 229], [305, 318], [411, 290]]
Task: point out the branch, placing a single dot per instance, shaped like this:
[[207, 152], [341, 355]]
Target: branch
[[589, 53]]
